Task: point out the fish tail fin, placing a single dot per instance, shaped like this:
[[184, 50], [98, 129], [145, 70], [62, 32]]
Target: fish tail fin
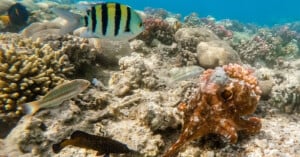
[[74, 21], [31, 107], [57, 147]]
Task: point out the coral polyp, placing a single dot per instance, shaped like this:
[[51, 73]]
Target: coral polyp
[[225, 94]]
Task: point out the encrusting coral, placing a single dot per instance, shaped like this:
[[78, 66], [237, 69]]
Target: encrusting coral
[[224, 96], [27, 69]]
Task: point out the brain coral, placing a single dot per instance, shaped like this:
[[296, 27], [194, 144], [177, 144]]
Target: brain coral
[[27, 69]]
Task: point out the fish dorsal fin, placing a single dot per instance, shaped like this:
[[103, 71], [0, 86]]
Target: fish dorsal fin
[[78, 133]]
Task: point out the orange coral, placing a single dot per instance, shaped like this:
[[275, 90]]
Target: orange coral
[[225, 94]]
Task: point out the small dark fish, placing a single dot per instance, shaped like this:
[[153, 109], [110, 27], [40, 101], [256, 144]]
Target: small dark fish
[[103, 145], [18, 14]]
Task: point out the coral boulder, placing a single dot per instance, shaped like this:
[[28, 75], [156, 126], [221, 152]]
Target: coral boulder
[[215, 53]]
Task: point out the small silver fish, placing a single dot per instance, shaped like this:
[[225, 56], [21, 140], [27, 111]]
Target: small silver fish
[[56, 96], [109, 20]]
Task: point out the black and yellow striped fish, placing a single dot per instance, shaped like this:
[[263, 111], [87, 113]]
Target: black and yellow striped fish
[[109, 20]]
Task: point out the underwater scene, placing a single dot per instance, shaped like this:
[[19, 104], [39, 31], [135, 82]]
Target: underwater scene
[[133, 78]]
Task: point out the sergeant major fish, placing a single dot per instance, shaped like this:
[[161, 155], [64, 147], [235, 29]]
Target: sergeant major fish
[[57, 95], [105, 20], [103, 145]]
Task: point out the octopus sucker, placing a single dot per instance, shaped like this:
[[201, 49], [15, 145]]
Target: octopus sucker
[[226, 95]]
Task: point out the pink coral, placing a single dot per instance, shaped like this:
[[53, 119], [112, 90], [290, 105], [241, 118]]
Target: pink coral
[[225, 95]]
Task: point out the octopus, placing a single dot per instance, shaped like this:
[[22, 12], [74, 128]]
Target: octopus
[[225, 96]]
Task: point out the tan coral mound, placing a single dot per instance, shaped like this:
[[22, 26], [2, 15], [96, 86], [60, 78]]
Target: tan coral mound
[[27, 69], [224, 96]]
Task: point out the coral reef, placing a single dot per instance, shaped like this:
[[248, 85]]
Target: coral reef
[[224, 96], [158, 13], [216, 53], [28, 69], [219, 29], [280, 86], [136, 74], [192, 20], [285, 91], [268, 46], [159, 29], [80, 51], [187, 40], [140, 88]]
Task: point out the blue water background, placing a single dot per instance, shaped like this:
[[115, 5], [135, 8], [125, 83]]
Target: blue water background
[[262, 12]]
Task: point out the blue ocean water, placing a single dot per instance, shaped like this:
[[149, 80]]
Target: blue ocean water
[[262, 12]]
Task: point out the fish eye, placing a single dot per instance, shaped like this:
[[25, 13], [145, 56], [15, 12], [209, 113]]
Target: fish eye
[[140, 24], [227, 94]]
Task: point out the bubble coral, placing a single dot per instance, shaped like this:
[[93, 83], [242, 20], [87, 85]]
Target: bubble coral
[[27, 69], [225, 95]]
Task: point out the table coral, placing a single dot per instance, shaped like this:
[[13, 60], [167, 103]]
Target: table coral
[[225, 95]]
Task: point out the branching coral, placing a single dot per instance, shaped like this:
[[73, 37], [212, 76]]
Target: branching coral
[[268, 45], [27, 69], [81, 52], [159, 29], [225, 95], [209, 22]]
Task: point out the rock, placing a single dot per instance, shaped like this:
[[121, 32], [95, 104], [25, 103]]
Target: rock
[[112, 51], [142, 141], [215, 53], [41, 30], [188, 38], [295, 64], [266, 88], [4, 5]]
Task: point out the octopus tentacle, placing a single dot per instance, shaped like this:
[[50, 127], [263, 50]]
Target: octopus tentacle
[[225, 94]]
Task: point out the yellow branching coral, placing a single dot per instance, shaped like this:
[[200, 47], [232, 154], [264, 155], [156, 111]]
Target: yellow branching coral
[[27, 69]]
